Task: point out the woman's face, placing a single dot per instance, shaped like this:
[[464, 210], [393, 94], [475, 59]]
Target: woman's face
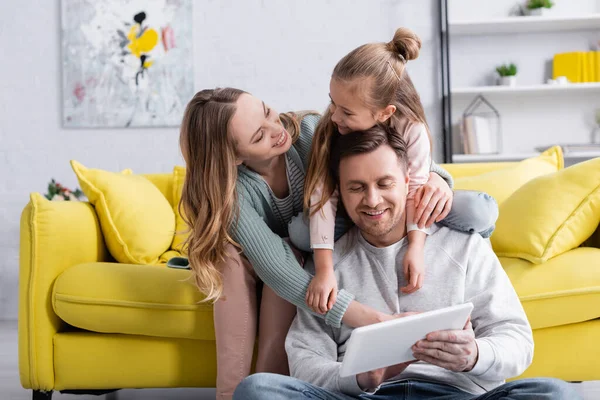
[[257, 131]]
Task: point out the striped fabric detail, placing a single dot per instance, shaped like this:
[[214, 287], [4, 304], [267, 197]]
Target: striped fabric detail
[[291, 205]]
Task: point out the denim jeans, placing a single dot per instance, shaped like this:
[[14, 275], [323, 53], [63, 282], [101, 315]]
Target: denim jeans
[[472, 212], [279, 387]]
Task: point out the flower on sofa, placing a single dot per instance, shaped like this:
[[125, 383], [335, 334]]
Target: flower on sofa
[[58, 192]]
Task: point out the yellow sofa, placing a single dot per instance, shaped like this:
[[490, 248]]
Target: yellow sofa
[[89, 323]]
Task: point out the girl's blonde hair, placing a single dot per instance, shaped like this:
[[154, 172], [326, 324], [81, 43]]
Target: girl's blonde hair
[[377, 73], [209, 198]]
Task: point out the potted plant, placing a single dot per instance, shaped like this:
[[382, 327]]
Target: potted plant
[[539, 7], [508, 74]]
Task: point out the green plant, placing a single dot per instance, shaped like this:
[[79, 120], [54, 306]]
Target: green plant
[[56, 191], [535, 4], [507, 70]]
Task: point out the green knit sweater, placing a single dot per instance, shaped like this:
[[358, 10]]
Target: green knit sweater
[[260, 233]]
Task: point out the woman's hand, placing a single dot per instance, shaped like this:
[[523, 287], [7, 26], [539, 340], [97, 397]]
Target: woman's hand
[[433, 201]]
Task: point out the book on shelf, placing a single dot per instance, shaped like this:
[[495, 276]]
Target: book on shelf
[[577, 66], [478, 135]]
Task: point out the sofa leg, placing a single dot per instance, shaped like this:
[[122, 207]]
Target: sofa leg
[[41, 395]]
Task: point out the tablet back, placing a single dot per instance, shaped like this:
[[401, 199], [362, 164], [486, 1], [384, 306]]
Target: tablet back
[[389, 343]]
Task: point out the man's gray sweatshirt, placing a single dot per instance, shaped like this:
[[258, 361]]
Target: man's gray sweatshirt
[[459, 268]]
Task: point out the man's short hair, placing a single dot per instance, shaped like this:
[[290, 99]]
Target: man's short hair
[[361, 142]]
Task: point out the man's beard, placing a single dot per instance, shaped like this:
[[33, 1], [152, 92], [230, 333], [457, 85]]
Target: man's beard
[[380, 229]]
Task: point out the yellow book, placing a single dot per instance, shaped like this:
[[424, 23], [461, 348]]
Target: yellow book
[[585, 67], [568, 65], [591, 62], [597, 65]]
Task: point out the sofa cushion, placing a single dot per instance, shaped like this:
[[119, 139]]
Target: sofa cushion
[[137, 220], [132, 299], [181, 228], [502, 183], [551, 214], [563, 290]]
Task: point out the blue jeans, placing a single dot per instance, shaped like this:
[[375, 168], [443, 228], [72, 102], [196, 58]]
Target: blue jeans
[[278, 387], [472, 212]]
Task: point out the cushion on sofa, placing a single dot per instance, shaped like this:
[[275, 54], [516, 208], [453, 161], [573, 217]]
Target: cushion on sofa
[[137, 220], [132, 299], [501, 183], [562, 291], [181, 228], [550, 215]]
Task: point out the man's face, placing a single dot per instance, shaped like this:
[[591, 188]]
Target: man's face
[[373, 187]]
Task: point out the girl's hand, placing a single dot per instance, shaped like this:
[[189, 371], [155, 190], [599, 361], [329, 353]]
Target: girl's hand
[[322, 292], [433, 201], [414, 269]]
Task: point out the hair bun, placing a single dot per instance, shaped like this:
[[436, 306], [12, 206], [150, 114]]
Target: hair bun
[[406, 44]]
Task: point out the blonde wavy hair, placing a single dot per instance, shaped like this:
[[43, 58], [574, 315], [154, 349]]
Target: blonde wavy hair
[[209, 199], [378, 74]]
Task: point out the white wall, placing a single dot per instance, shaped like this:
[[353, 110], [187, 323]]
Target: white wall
[[281, 51]]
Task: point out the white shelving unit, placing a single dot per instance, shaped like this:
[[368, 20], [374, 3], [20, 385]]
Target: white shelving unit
[[524, 25], [526, 109], [525, 90]]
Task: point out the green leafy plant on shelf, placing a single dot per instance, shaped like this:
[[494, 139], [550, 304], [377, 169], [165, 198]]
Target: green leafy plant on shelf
[[535, 4], [507, 70]]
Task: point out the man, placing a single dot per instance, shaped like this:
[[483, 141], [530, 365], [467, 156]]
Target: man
[[472, 363]]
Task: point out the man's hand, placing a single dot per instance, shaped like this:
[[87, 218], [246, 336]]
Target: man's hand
[[433, 201], [370, 380], [322, 292], [453, 350]]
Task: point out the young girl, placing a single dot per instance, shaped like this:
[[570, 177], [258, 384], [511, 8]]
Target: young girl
[[245, 173], [371, 86]]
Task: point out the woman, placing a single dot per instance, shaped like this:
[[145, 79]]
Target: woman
[[244, 182]]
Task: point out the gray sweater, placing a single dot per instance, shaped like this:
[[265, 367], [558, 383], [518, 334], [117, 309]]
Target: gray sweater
[[460, 268], [259, 230]]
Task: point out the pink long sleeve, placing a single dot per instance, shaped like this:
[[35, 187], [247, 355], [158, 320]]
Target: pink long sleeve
[[322, 223], [419, 165]]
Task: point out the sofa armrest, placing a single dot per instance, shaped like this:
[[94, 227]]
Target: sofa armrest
[[54, 236]]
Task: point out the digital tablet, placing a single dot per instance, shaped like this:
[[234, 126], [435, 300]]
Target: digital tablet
[[389, 343]]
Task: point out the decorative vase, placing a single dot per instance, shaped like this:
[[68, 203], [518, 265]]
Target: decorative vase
[[538, 12], [507, 81]]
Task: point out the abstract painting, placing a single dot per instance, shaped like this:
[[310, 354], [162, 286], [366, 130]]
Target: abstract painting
[[126, 63]]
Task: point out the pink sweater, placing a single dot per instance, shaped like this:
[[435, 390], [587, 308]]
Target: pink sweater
[[322, 223]]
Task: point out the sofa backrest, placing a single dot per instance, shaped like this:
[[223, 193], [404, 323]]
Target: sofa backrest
[[474, 169]]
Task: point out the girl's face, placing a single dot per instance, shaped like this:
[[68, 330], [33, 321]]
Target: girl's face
[[257, 131], [348, 110]]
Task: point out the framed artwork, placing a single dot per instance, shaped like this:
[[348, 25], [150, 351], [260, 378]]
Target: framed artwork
[[126, 63]]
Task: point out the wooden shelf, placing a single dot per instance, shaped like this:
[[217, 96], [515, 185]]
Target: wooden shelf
[[465, 158], [524, 24], [532, 89]]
